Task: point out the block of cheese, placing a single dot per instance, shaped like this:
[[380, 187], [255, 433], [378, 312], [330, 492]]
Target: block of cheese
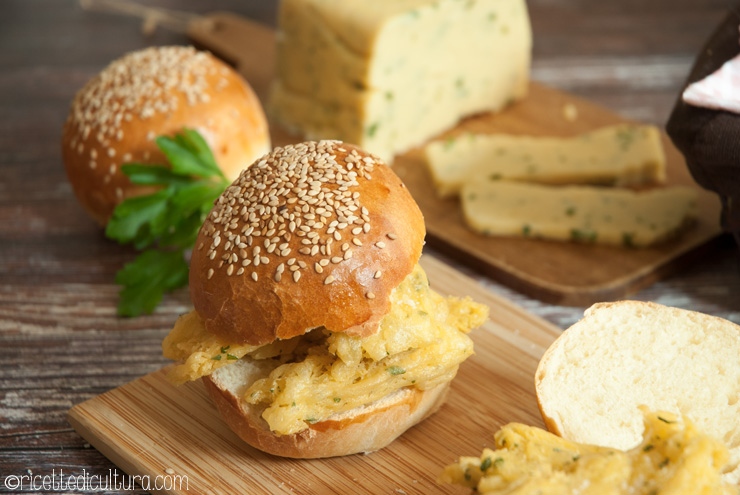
[[588, 214], [389, 74], [615, 155]]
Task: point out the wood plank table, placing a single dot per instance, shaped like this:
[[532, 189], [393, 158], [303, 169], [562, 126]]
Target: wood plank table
[[60, 341]]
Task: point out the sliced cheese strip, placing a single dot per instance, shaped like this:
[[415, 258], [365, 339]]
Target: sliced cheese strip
[[588, 214], [361, 72], [619, 155]]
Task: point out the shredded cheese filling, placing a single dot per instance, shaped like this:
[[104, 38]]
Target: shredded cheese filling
[[420, 343], [674, 458]]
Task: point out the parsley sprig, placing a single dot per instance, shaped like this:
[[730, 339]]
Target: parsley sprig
[[165, 223]]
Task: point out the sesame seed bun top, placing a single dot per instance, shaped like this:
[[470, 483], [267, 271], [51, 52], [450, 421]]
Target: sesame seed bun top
[[157, 91], [315, 234]]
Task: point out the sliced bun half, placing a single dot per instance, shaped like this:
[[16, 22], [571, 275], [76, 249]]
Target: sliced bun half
[[622, 355], [360, 430]]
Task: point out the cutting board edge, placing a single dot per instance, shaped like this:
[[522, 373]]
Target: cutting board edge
[[572, 296], [84, 425]]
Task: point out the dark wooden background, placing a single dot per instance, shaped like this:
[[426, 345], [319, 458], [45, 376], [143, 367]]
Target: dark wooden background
[[60, 341]]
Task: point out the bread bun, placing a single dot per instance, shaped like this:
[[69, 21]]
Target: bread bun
[[360, 430], [622, 355], [157, 91], [302, 239]]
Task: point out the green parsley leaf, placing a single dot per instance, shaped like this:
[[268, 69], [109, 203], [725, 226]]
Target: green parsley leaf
[[147, 175], [396, 370], [134, 219], [147, 278], [188, 154], [165, 222]]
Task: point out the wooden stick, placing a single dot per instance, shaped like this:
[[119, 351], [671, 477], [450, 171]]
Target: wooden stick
[[152, 17]]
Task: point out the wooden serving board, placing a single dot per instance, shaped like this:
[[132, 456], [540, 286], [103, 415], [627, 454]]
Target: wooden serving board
[[555, 272], [150, 427]]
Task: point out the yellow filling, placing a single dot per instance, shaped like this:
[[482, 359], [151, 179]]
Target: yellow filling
[[420, 343], [673, 459]]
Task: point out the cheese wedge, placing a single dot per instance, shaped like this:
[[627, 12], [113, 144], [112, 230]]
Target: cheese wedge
[[587, 214], [389, 74], [615, 155]]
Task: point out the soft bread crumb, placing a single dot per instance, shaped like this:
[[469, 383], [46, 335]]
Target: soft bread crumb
[[592, 380]]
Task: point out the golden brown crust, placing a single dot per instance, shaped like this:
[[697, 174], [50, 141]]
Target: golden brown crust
[[275, 259], [370, 429], [156, 91]]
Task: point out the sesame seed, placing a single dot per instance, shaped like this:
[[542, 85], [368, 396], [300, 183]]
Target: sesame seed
[[328, 280], [391, 236], [378, 274], [299, 197], [210, 273], [255, 277], [380, 244], [370, 295]]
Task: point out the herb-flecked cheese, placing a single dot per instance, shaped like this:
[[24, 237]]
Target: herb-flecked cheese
[[389, 74], [617, 155], [588, 214]]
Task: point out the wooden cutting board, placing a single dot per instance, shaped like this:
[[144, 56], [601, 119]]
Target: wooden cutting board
[[555, 272], [149, 427]]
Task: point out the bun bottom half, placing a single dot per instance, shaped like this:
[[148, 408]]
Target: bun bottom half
[[360, 430]]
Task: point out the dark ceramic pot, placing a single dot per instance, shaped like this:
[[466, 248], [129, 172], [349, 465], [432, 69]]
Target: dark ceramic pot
[[710, 139]]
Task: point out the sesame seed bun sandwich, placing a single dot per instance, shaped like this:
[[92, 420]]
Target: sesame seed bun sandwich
[[159, 91], [314, 328]]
